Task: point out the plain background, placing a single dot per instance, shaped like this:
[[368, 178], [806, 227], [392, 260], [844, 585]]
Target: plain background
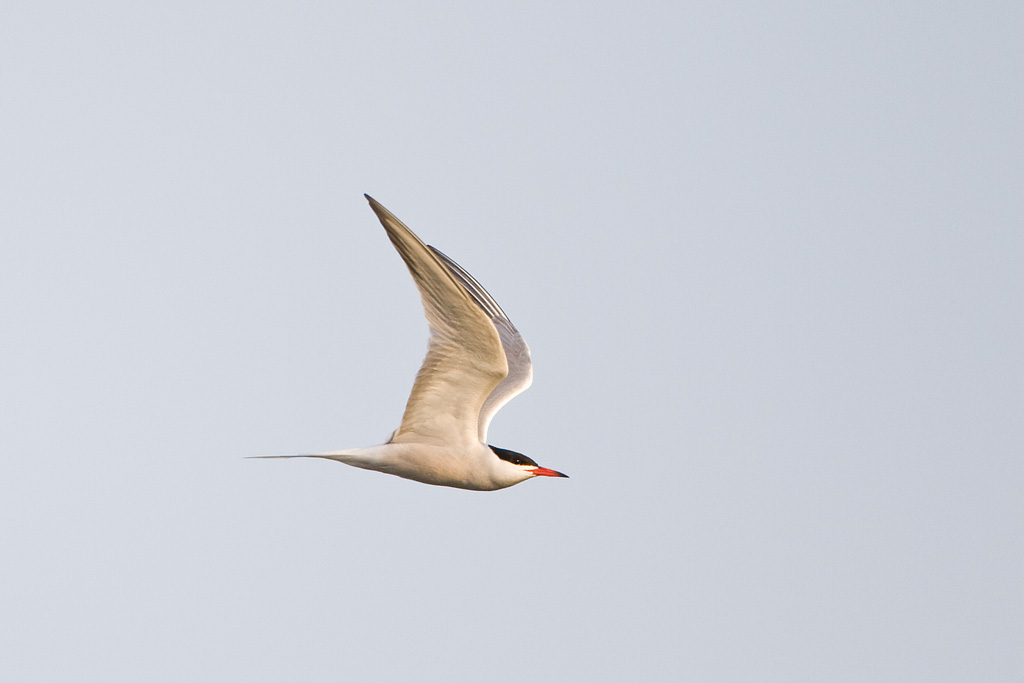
[[768, 257]]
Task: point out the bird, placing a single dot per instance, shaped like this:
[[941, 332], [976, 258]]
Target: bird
[[476, 362]]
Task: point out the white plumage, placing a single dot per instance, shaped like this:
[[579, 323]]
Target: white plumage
[[476, 362]]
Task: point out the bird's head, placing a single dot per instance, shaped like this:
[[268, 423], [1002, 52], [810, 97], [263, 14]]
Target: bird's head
[[526, 466]]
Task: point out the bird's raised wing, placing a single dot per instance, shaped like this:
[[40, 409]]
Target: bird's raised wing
[[517, 353], [465, 360]]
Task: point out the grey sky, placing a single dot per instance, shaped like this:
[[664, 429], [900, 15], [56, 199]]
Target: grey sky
[[768, 259]]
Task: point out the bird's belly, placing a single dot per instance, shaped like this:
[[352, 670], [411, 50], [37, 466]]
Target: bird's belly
[[435, 465]]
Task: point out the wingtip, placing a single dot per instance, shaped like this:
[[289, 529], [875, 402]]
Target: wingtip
[[377, 207]]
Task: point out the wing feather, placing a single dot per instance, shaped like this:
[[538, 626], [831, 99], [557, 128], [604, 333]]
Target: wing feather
[[517, 353], [465, 359]]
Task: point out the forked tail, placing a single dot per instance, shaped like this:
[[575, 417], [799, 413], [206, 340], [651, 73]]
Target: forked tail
[[353, 456]]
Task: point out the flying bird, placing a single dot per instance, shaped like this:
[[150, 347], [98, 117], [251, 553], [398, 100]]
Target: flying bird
[[476, 362]]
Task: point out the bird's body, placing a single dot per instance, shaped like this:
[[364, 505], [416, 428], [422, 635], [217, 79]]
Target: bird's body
[[474, 466], [476, 362]]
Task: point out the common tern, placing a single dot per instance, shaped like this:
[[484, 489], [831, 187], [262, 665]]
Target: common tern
[[476, 362]]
